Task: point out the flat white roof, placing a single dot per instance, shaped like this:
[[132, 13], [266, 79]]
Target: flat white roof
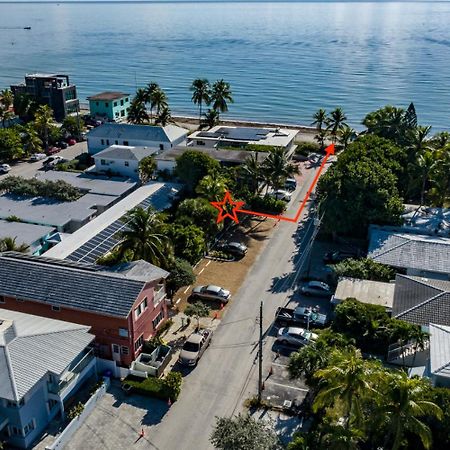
[[75, 240], [366, 291], [23, 232]]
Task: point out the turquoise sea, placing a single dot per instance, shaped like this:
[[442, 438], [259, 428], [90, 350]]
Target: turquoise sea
[[283, 60]]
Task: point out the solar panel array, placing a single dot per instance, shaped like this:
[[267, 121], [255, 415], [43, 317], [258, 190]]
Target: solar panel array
[[105, 240]]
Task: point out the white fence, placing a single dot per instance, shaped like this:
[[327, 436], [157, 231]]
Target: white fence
[[73, 426]]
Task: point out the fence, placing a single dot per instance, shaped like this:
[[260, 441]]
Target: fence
[[75, 424]]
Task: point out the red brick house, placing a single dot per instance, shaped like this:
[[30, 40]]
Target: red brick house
[[124, 305]]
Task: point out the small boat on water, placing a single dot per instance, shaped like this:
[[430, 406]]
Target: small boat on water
[[27, 28]]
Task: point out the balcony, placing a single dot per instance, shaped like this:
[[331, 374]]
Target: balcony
[[70, 375], [159, 294]]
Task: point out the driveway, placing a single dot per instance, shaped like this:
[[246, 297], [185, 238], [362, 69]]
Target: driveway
[[117, 421], [227, 375], [30, 169]]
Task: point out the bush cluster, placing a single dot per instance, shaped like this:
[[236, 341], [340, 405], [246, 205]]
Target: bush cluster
[[59, 190], [305, 148], [364, 269], [165, 388], [267, 204]]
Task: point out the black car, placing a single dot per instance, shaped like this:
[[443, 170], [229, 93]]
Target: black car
[[339, 255], [62, 144], [233, 248]]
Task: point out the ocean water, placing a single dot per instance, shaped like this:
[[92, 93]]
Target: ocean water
[[283, 60]]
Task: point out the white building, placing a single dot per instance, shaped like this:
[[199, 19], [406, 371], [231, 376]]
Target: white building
[[154, 137], [121, 160], [227, 136]]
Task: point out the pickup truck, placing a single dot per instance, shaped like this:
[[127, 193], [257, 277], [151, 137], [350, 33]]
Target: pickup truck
[[300, 316], [194, 347]]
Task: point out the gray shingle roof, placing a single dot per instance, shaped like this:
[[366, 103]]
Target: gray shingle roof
[[421, 300], [168, 133], [125, 153], [31, 346], [75, 285], [411, 251]]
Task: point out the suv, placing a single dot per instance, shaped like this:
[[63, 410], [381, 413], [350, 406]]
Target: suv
[[290, 184], [233, 248]]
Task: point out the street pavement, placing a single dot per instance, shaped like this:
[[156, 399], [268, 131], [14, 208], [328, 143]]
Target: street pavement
[[30, 169], [227, 373]]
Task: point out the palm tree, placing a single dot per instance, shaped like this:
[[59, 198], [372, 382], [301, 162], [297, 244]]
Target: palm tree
[[251, 170], [6, 101], [24, 106], [425, 163], [320, 118], [164, 117], [137, 113], [158, 100], [201, 93], [32, 141], [402, 407], [221, 95], [346, 379], [419, 141], [440, 178], [141, 96], [441, 139], [143, 237], [210, 118], [336, 122], [8, 244], [151, 88], [346, 136], [277, 168], [320, 138], [212, 187], [43, 120]]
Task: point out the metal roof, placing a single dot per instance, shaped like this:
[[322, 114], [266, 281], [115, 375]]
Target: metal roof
[[32, 346], [124, 152], [169, 133], [440, 349], [69, 284], [23, 232], [108, 95], [410, 251], [421, 300]]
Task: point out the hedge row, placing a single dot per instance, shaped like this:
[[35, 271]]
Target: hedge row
[[162, 388]]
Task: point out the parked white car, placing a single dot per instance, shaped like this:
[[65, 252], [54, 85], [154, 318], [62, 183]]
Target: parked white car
[[317, 289], [280, 194], [295, 336], [37, 156], [4, 168]]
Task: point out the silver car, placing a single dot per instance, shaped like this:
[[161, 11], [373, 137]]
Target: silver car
[[194, 347], [295, 336], [317, 289], [211, 292]]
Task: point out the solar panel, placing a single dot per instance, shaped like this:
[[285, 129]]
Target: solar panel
[[105, 240]]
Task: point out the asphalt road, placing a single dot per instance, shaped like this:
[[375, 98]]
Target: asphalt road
[[30, 169], [226, 375]]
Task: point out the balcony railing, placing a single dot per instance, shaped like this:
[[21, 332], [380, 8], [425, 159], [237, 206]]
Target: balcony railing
[[67, 378], [159, 294]]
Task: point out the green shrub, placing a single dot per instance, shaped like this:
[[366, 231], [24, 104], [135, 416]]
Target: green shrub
[[165, 388], [365, 269], [267, 205], [75, 411], [13, 219], [305, 148]]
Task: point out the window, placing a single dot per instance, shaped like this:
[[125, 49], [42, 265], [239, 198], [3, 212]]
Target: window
[[56, 308], [123, 332], [28, 427], [103, 142], [125, 350], [121, 102], [115, 348], [116, 114], [15, 431], [138, 344], [145, 302], [127, 163], [115, 103], [2, 299], [125, 142], [140, 308], [107, 141], [106, 104], [126, 99], [103, 162], [122, 113], [116, 142], [161, 146], [158, 319]]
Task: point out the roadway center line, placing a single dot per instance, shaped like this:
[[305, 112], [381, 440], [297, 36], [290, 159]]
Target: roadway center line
[[287, 386]]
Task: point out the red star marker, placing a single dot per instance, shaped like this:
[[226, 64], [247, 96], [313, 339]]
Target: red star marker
[[225, 206]]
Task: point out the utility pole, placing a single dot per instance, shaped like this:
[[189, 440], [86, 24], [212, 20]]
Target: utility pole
[[260, 359]]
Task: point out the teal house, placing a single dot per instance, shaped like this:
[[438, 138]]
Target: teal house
[[110, 105]]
